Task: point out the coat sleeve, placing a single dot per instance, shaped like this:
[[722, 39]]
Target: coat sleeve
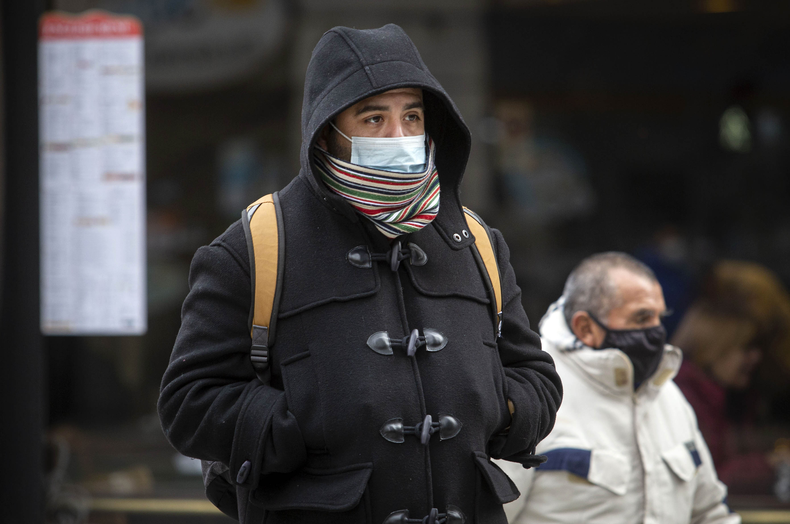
[[533, 385], [211, 404], [710, 495]]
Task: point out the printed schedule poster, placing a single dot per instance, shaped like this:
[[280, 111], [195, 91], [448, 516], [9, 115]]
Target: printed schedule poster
[[92, 174]]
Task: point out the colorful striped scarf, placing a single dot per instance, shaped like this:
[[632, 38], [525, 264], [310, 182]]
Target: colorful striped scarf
[[396, 203]]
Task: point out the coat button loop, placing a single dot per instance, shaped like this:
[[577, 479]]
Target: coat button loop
[[360, 257], [449, 426], [380, 343], [434, 340], [454, 515], [397, 517], [417, 255], [457, 237], [392, 430]]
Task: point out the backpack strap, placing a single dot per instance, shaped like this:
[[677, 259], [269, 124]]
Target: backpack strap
[[485, 255], [263, 230]]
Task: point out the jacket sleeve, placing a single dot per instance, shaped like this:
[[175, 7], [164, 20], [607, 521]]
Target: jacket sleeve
[[533, 385], [710, 495], [211, 404]]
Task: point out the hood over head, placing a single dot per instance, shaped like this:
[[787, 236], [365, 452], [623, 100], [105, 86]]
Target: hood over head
[[349, 65]]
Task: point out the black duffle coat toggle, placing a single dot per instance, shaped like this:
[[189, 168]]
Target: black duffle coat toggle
[[448, 426], [453, 515], [433, 340], [361, 256]]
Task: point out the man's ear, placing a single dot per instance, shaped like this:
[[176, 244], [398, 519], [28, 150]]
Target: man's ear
[[323, 136], [586, 330]]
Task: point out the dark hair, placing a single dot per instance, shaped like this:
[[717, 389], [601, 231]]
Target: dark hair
[[589, 287]]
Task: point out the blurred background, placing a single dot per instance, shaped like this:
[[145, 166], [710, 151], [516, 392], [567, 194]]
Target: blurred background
[[656, 128]]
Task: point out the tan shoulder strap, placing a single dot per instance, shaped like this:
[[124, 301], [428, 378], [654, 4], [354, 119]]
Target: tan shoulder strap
[[485, 250], [262, 222]]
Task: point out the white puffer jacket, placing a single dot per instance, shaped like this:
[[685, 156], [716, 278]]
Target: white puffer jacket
[[615, 455]]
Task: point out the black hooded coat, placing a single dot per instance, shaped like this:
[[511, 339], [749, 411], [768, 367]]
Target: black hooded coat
[[319, 442]]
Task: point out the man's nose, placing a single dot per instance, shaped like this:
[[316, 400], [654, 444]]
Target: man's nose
[[395, 129]]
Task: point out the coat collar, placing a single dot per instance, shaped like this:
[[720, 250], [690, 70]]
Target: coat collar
[[609, 368]]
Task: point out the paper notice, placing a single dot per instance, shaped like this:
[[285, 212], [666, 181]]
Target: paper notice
[[92, 175]]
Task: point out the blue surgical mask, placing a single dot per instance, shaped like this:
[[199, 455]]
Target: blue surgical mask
[[404, 154]]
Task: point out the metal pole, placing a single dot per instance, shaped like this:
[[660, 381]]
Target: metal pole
[[22, 382]]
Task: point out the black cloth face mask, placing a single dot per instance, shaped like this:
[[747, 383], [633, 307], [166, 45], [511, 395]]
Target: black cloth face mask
[[645, 347]]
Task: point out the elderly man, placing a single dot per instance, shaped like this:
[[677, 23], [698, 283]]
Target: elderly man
[[348, 430], [625, 447]]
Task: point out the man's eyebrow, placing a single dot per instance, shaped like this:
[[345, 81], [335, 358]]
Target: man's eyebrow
[[644, 312], [371, 107]]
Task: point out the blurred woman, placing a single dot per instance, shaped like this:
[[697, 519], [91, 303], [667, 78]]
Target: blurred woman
[[740, 320]]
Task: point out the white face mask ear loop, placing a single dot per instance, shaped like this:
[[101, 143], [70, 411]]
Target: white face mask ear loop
[[339, 131]]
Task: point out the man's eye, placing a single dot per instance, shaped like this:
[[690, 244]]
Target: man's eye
[[374, 119], [413, 118]]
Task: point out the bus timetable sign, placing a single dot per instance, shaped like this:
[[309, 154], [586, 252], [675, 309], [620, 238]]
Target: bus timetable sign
[[92, 174]]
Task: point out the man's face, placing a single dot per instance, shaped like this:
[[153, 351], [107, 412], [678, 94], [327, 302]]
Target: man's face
[[640, 305], [394, 113]]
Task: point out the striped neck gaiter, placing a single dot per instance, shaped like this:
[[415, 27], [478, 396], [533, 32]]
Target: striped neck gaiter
[[396, 203]]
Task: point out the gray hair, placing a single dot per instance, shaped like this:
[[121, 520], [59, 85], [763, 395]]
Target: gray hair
[[590, 289]]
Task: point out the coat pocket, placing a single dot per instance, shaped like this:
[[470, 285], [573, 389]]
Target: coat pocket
[[497, 480], [610, 470], [302, 393], [683, 459], [601, 467], [316, 495]]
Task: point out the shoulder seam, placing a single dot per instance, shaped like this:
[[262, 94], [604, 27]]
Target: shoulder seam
[[224, 245]]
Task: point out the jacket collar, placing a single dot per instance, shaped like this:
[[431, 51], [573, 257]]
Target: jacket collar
[[609, 368]]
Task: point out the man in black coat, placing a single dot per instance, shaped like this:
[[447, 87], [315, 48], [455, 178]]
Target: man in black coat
[[331, 438]]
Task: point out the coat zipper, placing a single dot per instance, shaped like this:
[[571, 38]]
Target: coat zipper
[[642, 462]]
